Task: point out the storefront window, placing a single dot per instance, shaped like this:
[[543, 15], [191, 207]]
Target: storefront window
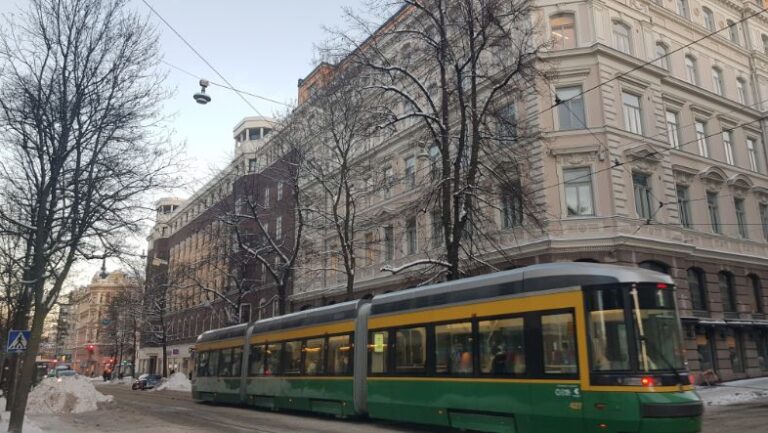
[[705, 350], [736, 351]]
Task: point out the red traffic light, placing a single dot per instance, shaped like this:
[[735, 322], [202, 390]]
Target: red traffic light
[[90, 348]]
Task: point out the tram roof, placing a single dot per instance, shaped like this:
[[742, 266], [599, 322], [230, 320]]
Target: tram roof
[[523, 280], [326, 314]]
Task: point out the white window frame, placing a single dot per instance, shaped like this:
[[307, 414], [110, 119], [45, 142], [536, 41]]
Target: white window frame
[[728, 146], [709, 18], [701, 137], [673, 129], [278, 228], [622, 37], [752, 153], [717, 81], [633, 113], [691, 70], [577, 184]]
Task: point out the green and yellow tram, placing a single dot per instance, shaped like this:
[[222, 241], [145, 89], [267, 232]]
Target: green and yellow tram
[[574, 347]]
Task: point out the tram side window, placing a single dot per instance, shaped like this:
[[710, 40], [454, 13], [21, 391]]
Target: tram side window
[[608, 331], [225, 363], [502, 346], [313, 356], [410, 350], [202, 364], [237, 359], [273, 356], [339, 351], [378, 349], [453, 348], [256, 365], [291, 358], [213, 363], [559, 343]]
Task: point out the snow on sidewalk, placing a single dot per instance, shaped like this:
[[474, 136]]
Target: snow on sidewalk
[[74, 394], [738, 391], [29, 426], [177, 382]]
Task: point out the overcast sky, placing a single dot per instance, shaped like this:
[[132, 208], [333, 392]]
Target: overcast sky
[[260, 46]]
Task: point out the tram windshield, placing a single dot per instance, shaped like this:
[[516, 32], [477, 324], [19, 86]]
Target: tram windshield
[[634, 332]]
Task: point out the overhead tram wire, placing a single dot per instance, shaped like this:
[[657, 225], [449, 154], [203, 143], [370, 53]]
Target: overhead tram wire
[[224, 86], [200, 56]]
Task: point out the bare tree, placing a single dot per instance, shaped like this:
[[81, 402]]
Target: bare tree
[[124, 313], [81, 145], [339, 123], [457, 72]]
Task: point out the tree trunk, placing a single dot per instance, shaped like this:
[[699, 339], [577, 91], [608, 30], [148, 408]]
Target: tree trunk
[[28, 372], [165, 356]]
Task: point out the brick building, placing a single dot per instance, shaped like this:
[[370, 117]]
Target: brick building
[[193, 254]]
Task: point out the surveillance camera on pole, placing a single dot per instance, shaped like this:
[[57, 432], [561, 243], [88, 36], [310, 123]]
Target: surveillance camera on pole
[[200, 97]]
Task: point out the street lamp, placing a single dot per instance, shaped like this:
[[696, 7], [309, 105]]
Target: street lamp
[[200, 97], [103, 274]]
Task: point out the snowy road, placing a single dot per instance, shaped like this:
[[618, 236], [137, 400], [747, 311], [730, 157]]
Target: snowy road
[[175, 412]]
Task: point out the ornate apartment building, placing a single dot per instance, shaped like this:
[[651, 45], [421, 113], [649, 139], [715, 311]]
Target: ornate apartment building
[[193, 263], [653, 155], [94, 348]]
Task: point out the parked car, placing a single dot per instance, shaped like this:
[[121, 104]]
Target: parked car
[[59, 373], [147, 381]]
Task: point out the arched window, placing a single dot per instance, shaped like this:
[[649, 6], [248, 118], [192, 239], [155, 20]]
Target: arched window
[[709, 19], [622, 37], [662, 55], [563, 31], [717, 81], [691, 71], [757, 291], [653, 265], [733, 31], [697, 284], [727, 291]]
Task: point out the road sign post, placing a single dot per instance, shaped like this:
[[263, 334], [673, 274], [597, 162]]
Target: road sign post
[[18, 340]]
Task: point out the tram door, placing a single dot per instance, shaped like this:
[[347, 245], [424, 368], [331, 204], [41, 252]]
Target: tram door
[[556, 402]]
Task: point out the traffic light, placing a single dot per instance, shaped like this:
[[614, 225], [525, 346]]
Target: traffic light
[[90, 348]]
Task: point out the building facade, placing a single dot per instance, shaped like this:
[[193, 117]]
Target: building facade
[[94, 343], [653, 155], [193, 255]]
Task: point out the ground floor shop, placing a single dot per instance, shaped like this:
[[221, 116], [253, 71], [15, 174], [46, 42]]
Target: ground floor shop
[[179, 359]]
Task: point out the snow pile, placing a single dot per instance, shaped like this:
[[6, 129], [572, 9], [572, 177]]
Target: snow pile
[[177, 382], [72, 395], [738, 391], [29, 426]]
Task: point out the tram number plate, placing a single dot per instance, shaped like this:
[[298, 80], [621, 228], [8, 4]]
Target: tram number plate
[[568, 391]]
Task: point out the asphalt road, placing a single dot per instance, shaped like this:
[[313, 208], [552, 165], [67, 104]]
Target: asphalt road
[[175, 412]]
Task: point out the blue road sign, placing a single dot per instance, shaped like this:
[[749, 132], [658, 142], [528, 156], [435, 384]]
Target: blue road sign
[[17, 341]]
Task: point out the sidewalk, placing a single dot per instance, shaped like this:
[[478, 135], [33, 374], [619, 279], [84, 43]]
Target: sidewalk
[[738, 391]]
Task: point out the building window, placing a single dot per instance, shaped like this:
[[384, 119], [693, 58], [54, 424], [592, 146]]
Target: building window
[[741, 217], [512, 206], [570, 112], [752, 154], [253, 165], [717, 81], [736, 351], [643, 194], [266, 198], [673, 129], [633, 121], [435, 164], [706, 350], [279, 191], [410, 171], [410, 235], [578, 191], [709, 19], [621, 37], [369, 249], [765, 44], [245, 313], [757, 292], [698, 287], [727, 291], [764, 220], [389, 181], [389, 243], [662, 56], [507, 129], [691, 73], [682, 8], [701, 138], [733, 31], [714, 212], [563, 31], [728, 146], [684, 205], [741, 90], [278, 228], [438, 237]]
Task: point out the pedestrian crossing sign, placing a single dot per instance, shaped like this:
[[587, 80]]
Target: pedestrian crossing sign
[[17, 341]]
